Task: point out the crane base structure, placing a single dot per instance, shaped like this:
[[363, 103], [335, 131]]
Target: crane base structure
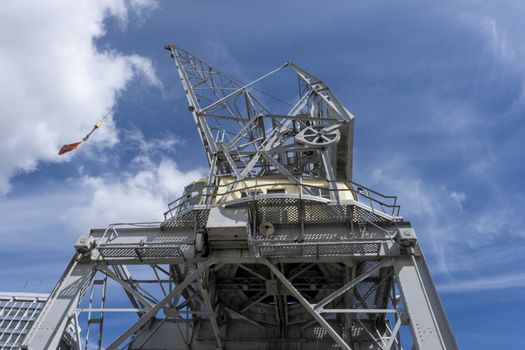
[[277, 249]]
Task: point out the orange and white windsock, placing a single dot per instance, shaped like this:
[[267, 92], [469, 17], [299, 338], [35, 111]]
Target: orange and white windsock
[[68, 148], [73, 146]]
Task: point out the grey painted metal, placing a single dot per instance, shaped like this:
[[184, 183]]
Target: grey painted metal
[[211, 276], [50, 326], [430, 326], [248, 262], [18, 311], [130, 289], [337, 338], [212, 316], [393, 335], [239, 132], [350, 285], [151, 312]]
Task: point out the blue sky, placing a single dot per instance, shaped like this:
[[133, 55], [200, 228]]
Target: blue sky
[[437, 89]]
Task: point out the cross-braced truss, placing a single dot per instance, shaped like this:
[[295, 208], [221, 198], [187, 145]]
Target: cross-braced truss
[[243, 138], [233, 300], [276, 250]]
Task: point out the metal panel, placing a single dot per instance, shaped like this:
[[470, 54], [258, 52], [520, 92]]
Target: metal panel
[[429, 324], [18, 312], [57, 313]]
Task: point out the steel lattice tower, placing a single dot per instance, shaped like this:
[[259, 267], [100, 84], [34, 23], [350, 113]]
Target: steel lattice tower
[[276, 249]]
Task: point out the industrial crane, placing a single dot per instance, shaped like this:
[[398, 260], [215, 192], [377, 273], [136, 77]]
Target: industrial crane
[[276, 249]]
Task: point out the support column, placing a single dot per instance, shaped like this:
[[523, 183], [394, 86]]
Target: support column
[[428, 321], [316, 315], [59, 308], [156, 308]]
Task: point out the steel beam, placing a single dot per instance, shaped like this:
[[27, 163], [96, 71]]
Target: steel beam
[[428, 321], [212, 315], [127, 286], [288, 285], [60, 307], [315, 241], [393, 335], [156, 308], [350, 285]]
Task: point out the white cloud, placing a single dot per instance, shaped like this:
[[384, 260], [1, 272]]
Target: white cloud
[[56, 83], [397, 175], [487, 260], [47, 222], [461, 242], [142, 67], [502, 30], [147, 147], [503, 281], [458, 198], [218, 55], [129, 197]]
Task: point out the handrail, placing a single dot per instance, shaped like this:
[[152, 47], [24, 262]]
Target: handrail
[[360, 191], [113, 228]]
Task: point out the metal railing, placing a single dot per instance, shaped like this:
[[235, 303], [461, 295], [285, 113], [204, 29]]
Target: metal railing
[[254, 191], [109, 246]]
